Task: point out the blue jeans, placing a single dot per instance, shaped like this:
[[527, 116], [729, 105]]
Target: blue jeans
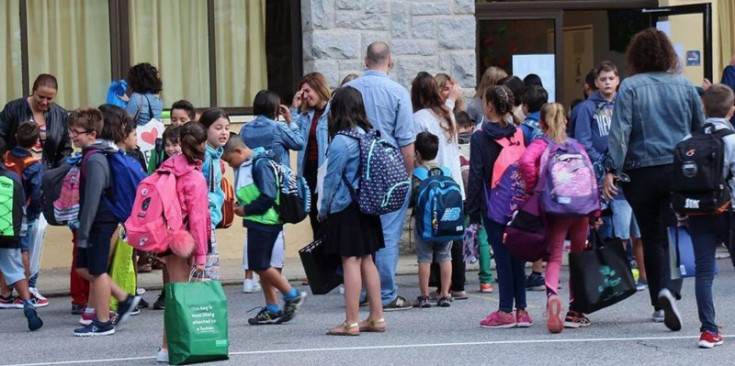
[[707, 232], [386, 259], [511, 272]]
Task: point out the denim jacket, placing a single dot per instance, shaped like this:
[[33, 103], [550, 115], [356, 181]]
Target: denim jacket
[[653, 112], [303, 120], [344, 161], [278, 137]]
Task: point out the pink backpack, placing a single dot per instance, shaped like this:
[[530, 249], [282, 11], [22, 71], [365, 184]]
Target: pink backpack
[[66, 207], [513, 148], [156, 215]]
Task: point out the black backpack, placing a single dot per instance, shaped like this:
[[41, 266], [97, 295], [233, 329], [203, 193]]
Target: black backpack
[[699, 186]]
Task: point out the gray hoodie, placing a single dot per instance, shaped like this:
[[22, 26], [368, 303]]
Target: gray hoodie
[[94, 181]]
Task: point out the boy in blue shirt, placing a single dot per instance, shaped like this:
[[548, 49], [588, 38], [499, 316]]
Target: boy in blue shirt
[[427, 147]]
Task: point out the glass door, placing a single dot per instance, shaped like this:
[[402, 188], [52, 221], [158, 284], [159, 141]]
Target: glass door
[[690, 29], [521, 44]]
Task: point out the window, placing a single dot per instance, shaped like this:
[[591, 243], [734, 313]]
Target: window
[[71, 40], [172, 36], [10, 60]]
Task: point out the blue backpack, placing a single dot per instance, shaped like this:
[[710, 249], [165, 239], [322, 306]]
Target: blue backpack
[[127, 173], [439, 208], [384, 183]]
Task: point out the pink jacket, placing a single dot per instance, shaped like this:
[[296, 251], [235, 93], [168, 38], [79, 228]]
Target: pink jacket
[[192, 192], [530, 162]]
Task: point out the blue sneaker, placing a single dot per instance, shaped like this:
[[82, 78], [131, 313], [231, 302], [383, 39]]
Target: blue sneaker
[[96, 329], [34, 321], [126, 307]]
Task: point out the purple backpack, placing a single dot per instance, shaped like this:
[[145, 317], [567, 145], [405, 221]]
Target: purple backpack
[[525, 236], [506, 196], [570, 183]]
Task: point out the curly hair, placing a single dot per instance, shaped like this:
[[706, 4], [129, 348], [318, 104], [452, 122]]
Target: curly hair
[[501, 97], [650, 50], [143, 78]]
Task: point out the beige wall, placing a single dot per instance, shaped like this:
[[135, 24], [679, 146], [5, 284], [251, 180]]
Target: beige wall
[[680, 27]]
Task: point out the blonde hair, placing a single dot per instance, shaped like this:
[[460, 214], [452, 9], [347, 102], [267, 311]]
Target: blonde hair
[[441, 81], [491, 77], [554, 122]]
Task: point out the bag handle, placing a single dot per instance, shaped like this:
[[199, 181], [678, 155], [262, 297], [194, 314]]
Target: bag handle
[[193, 275]]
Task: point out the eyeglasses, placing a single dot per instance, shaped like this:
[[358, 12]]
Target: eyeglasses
[[75, 133]]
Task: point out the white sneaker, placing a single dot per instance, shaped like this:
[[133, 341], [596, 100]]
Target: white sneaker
[[658, 316], [162, 355], [36, 294], [250, 286]]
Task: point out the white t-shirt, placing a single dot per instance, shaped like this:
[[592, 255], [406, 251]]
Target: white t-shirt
[[448, 155]]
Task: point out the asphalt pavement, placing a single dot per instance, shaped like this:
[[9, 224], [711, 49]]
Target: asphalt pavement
[[619, 335]]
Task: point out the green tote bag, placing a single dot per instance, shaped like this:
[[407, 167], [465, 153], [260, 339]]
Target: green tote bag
[[196, 322]]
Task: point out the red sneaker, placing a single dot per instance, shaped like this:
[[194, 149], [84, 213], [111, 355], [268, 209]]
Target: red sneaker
[[9, 302], [710, 340], [523, 319], [499, 320]]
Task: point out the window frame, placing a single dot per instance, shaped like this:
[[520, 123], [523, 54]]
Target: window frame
[[120, 47]]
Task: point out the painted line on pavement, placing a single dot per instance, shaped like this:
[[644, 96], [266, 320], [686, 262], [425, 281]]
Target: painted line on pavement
[[387, 347]]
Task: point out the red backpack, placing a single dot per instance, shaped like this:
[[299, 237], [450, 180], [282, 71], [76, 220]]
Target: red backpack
[[156, 216]]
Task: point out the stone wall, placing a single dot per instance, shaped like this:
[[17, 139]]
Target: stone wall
[[427, 35]]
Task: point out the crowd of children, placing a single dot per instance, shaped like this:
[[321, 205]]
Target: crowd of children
[[457, 158]]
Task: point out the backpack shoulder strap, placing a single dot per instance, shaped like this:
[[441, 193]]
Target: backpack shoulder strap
[[420, 173]]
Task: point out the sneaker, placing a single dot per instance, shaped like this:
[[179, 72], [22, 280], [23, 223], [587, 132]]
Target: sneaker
[[77, 309], [96, 329], [486, 288], [143, 304], [576, 319], [422, 302], [710, 339], [499, 320], [265, 316], [162, 355], [10, 302], [535, 282], [641, 285], [135, 311], [126, 307], [523, 319], [553, 308], [38, 303], [86, 318], [41, 300], [658, 316], [291, 307], [399, 303], [34, 321], [666, 301], [444, 302], [160, 303], [459, 295], [249, 286]]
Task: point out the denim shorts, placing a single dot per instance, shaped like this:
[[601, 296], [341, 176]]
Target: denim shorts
[[428, 252], [11, 265], [624, 222]]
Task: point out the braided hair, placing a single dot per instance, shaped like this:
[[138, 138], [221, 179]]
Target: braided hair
[[502, 99]]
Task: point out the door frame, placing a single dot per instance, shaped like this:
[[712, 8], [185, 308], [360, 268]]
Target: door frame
[[706, 10]]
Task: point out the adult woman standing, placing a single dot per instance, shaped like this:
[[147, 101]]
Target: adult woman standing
[[352, 235], [54, 143], [433, 115], [491, 77], [144, 104], [310, 106], [655, 108]]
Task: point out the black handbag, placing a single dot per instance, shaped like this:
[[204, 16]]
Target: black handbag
[[321, 269], [600, 275]]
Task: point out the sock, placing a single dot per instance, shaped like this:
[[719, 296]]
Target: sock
[[89, 311], [291, 294], [273, 308], [28, 303]]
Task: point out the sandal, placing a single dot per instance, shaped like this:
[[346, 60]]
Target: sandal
[[345, 329], [377, 326]]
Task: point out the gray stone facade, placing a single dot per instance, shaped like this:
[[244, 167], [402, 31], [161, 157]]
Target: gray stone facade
[[424, 35]]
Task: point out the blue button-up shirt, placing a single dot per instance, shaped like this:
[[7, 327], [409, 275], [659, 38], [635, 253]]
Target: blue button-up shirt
[[388, 107]]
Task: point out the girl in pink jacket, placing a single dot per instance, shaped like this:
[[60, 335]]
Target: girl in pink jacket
[[191, 190], [553, 123]]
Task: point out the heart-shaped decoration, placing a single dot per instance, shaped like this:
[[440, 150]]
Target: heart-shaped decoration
[[150, 136], [147, 135]]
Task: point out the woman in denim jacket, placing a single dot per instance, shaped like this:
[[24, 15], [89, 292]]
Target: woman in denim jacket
[[144, 104], [655, 108], [311, 106], [352, 235]]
